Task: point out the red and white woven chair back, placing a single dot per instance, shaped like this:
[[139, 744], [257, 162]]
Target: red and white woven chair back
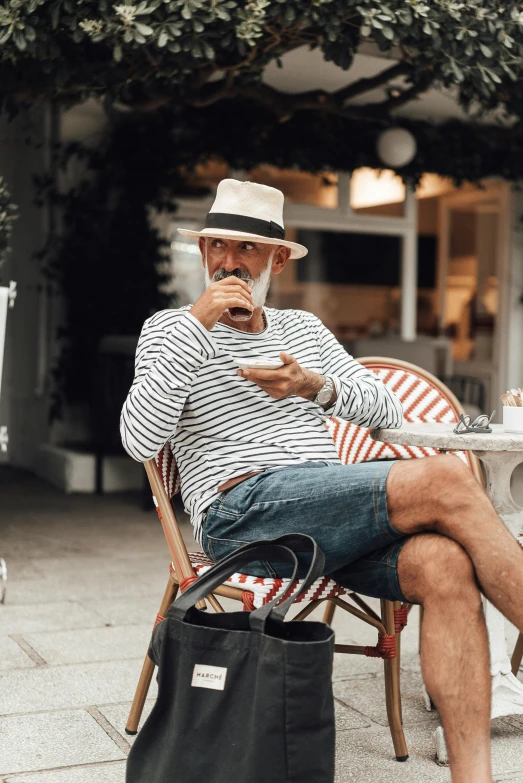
[[422, 400], [168, 470]]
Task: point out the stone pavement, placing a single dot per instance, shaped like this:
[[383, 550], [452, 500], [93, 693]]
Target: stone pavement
[[86, 575]]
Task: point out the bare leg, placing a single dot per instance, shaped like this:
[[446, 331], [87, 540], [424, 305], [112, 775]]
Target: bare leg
[[437, 573], [440, 494]]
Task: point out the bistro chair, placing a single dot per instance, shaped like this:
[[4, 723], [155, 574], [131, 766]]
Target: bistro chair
[[424, 399], [253, 592]]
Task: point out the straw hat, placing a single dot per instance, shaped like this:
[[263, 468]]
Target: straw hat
[[247, 211]]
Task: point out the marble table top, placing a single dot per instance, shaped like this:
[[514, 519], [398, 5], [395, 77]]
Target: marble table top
[[440, 436]]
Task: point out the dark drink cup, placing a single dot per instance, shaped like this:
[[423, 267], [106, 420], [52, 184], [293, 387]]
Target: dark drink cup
[[240, 313]]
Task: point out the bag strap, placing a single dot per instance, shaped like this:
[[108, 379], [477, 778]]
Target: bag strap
[[224, 568], [283, 549], [278, 608]]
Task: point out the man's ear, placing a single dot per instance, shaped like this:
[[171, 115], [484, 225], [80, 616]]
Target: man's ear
[[201, 245], [281, 257]]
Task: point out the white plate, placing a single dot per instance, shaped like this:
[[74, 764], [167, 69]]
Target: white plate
[[260, 363]]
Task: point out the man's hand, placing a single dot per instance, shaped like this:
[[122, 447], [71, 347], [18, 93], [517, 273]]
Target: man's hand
[[218, 297], [291, 379]]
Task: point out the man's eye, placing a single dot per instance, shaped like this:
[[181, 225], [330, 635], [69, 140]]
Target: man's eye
[[248, 246], [217, 243]]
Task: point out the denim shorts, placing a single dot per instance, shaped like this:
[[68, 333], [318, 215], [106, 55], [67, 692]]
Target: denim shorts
[[343, 507]]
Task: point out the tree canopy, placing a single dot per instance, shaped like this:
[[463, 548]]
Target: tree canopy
[[172, 74], [198, 52]]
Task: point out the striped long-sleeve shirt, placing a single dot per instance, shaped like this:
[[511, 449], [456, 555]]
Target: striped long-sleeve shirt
[[221, 425]]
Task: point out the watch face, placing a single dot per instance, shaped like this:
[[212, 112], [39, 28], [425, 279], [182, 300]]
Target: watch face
[[324, 395]]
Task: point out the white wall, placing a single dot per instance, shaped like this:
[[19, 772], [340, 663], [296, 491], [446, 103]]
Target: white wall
[[23, 409]]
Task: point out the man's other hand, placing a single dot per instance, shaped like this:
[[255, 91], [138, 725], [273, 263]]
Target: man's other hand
[[286, 381]]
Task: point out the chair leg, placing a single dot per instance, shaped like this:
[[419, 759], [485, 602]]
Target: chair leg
[[397, 663], [329, 612], [392, 688], [517, 655], [147, 672]]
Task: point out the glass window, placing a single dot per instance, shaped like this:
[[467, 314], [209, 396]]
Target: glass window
[[352, 282], [299, 187], [472, 284], [375, 192]]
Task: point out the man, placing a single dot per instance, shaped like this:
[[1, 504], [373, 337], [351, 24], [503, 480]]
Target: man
[[256, 461]]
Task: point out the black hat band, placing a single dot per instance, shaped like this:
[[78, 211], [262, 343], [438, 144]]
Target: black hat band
[[245, 224]]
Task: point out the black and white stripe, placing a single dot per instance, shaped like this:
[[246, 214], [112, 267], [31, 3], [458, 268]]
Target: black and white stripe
[[221, 425]]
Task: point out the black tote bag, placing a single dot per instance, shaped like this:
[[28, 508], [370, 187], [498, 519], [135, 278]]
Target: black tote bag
[[243, 697]]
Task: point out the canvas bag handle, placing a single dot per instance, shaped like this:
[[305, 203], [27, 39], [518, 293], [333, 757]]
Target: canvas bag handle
[[223, 569], [281, 548], [278, 608]]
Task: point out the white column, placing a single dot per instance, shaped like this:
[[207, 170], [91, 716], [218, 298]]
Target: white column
[[409, 270]]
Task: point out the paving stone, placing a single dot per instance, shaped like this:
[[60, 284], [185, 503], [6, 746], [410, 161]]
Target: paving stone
[[347, 719], [368, 755], [111, 772], [126, 611], [92, 644], [55, 616], [62, 687], [11, 654], [367, 695], [56, 739], [23, 568], [347, 666], [117, 715], [507, 746], [77, 587]]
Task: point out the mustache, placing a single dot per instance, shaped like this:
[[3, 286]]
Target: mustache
[[221, 274]]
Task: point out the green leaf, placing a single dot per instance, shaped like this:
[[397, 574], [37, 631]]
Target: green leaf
[[55, 14], [162, 39], [485, 50], [208, 50], [117, 53], [19, 40], [143, 29], [457, 70]]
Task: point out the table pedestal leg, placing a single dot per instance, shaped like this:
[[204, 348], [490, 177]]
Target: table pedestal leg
[[507, 690]]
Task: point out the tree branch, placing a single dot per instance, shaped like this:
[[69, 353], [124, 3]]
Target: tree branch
[[217, 92], [370, 83], [285, 105], [408, 95]]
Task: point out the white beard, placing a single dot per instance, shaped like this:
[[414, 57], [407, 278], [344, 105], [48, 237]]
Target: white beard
[[260, 286]]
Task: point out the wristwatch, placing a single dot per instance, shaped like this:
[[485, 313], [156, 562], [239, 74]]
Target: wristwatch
[[325, 393]]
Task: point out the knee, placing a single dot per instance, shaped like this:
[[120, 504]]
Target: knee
[[452, 485], [444, 571]]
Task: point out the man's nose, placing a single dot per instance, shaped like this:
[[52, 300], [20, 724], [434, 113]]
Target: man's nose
[[230, 261]]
